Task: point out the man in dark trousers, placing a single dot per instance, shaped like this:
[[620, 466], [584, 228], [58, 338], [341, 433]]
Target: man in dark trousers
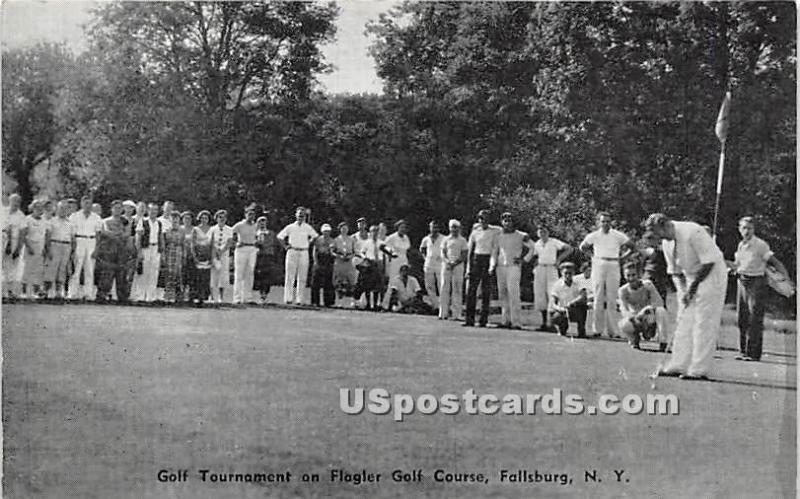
[[482, 244], [322, 272]]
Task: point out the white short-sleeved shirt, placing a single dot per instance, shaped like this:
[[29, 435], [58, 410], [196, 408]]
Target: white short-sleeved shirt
[[693, 248], [84, 226], [300, 235], [221, 235], [547, 253], [399, 245], [13, 222], [433, 252], [752, 257], [453, 247], [60, 229], [405, 291], [510, 245], [246, 232], [634, 300], [166, 222], [363, 248], [564, 293], [485, 240], [36, 229], [606, 245], [584, 282]]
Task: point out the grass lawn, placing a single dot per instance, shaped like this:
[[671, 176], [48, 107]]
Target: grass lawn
[[98, 399]]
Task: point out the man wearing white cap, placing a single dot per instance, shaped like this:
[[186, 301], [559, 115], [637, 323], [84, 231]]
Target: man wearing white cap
[[296, 238], [322, 271], [453, 253], [431, 249], [508, 255], [606, 244], [700, 275]]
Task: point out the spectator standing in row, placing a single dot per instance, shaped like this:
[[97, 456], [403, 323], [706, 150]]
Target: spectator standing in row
[[58, 248], [222, 237], [545, 273], [322, 270], [431, 249], [482, 244], [86, 225], [244, 256], [296, 238], [150, 244], [201, 248], [606, 245], [512, 249], [454, 253]]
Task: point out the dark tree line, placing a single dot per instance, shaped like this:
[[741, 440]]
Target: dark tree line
[[551, 110]]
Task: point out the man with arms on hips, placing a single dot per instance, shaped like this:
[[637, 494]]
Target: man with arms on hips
[[58, 247], [568, 302], [222, 237], [86, 225], [545, 252], [752, 257], [13, 223], [244, 256], [606, 244], [454, 253], [431, 249], [481, 246], [508, 256], [296, 238], [700, 275], [643, 312], [149, 245]]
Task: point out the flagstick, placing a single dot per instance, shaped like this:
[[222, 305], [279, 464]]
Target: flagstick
[[719, 189]]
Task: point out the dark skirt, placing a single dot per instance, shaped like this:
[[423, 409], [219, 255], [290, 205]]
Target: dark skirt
[[266, 270]]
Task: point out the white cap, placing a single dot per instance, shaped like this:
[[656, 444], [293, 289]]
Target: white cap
[[454, 223], [325, 227], [129, 202]]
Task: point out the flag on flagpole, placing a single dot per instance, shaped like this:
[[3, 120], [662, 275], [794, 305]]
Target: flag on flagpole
[[722, 119], [722, 134]]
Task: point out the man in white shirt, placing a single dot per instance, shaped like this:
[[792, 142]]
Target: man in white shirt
[[568, 302], [296, 238], [431, 249], [545, 254], [59, 244], [244, 256], [508, 256], [149, 244], [643, 312], [13, 224], [405, 293], [606, 245], [454, 254], [482, 245], [700, 275], [86, 225]]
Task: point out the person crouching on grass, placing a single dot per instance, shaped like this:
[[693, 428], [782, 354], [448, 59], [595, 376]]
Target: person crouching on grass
[[643, 312], [405, 294], [568, 302]]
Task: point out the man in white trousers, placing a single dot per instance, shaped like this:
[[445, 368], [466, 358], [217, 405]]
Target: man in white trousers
[[700, 275], [431, 249], [296, 238], [149, 245], [508, 258], [606, 245], [545, 274], [453, 254], [86, 225], [244, 256]]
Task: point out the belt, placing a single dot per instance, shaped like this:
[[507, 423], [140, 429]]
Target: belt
[[298, 249], [545, 264], [84, 237], [60, 242], [746, 276], [245, 244], [606, 259]]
